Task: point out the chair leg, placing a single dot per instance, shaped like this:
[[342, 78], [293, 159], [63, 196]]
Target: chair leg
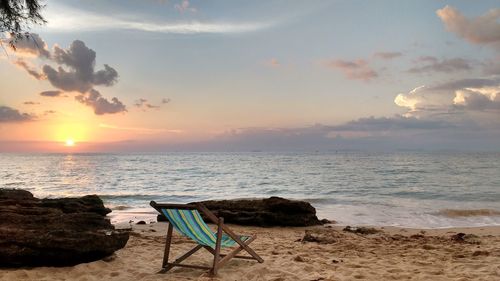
[[168, 242], [178, 261], [215, 265]]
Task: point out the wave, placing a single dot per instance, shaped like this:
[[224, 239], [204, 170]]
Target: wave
[[456, 213]]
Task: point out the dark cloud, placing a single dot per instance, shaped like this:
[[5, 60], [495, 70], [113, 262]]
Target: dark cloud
[[492, 67], [466, 83], [32, 44], [31, 71], [394, 123], [81, 76], [48, 112], [100, 105], [355, 70], [482, 30], [75, 73], [9, 114], [387, 55], [30, 103], [432, 64], [144, 104], [51, 93]]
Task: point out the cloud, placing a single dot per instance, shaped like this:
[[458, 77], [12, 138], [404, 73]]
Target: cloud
[[64, 19], [273, 63], [492, 67], [51, 93], [387, 55], [185, 6], [31, 45], [9, 114], [354, 70], [482, 99], [390, 124], [81, 76], [144, 104], [139, 129], [432, 64], [30, 103], [75, 73], [481, 30], [465, 95], [100, 105], [30, 69]]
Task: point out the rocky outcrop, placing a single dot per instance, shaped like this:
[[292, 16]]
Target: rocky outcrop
[[273, 211], [54, 232]]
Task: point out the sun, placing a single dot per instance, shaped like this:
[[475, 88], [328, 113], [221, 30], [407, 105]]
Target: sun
[[69, 142]]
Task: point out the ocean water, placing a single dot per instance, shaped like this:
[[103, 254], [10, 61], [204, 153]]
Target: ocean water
[[410, 189]]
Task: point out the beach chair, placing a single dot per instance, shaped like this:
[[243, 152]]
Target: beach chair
[[186, 219]]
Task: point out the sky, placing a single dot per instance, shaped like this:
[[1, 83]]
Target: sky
[[177, 75]]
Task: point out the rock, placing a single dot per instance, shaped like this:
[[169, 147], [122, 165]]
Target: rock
[[480, 253], [326, 221], [88, 203], [55, 232], [322, 236], [465, 238], [361, 230], [141, 222], [273, 211], [299, 259]]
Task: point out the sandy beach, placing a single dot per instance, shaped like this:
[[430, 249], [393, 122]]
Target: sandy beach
[[391, 254]]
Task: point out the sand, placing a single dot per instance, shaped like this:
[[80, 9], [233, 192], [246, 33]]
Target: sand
[[393, 254]]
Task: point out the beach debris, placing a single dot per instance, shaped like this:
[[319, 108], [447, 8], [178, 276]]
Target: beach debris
[[272, 211], [55, 232], [361, 230]]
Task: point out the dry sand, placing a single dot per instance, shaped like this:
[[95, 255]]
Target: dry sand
[[394, 254]]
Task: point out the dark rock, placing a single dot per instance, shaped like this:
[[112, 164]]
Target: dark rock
[[273, 211], [465, 238], [480, 253], [322, 236], [361, 230], [326, 221], [299, 259], [88, 203], [161, 218], [141, 222], [54, 232]]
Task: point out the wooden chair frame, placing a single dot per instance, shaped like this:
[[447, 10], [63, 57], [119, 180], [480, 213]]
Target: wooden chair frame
[[219, 259]]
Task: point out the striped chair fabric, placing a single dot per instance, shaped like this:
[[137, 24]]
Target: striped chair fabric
[[189, 223]]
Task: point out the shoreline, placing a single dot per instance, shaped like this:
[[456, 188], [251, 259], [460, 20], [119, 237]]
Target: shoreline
[[123, 216], [393, 254]]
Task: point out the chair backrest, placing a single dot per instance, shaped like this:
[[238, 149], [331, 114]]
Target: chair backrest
[[186, 219], [190, 224]]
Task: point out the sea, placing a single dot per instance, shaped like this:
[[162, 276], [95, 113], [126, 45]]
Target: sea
[[406, 189]]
